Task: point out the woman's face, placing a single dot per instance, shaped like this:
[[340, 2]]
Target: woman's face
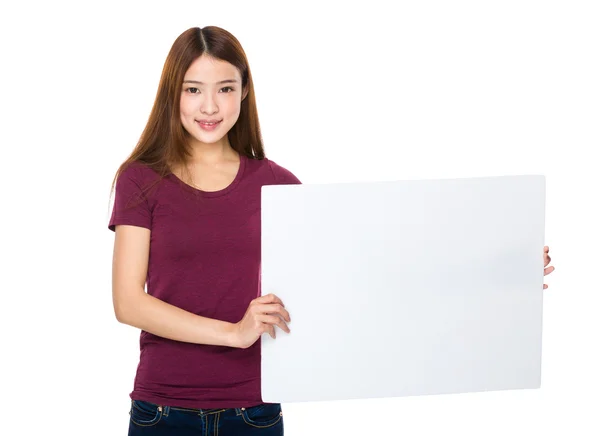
[[212, 92]]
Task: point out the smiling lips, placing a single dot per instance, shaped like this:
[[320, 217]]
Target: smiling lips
[[208, 124]]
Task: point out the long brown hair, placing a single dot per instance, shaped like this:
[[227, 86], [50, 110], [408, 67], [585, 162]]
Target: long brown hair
[[164, 144]]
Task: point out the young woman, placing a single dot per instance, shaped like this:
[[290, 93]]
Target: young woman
[[186, 219]]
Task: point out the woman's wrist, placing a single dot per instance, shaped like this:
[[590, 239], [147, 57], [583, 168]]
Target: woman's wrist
[[230, 335]]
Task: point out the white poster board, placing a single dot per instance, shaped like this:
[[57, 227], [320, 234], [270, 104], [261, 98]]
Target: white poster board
[[404, 288]]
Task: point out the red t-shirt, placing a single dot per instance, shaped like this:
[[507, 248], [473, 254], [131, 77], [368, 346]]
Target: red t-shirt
[[204, 258]]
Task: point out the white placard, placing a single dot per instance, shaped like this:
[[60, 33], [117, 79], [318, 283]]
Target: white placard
[[404, 288]]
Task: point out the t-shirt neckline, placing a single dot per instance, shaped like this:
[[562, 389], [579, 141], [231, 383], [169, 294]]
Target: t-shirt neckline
[[226, 190]]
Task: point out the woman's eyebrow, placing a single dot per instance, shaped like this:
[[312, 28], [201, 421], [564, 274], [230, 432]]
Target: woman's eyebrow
[[218, 83]]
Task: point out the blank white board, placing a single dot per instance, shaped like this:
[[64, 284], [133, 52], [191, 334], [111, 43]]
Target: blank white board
[[402, 288]]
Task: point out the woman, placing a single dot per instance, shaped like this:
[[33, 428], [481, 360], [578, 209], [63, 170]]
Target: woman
[[187, 224], [187, 221]]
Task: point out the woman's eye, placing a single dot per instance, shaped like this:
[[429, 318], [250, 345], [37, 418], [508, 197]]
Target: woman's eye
[[192, 90]]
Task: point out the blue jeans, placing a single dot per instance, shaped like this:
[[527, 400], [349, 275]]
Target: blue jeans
[[148, 419]]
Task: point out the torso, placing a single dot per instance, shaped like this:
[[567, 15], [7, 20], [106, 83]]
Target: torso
[[205, 258]]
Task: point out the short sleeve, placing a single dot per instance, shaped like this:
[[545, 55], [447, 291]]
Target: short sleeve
[[282, 175], [131, 206]]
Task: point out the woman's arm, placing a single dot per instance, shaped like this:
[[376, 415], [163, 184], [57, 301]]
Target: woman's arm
[[133, 306]]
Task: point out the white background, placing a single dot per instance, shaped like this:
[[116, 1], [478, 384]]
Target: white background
[[346, 92]]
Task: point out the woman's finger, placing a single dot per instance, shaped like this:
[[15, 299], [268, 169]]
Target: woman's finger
[[268, 299], [273, 320], [274, 308]]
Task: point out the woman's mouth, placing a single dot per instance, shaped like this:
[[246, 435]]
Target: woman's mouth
[[208, 126]]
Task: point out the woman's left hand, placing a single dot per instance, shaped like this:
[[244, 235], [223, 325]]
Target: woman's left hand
[[547, 259]]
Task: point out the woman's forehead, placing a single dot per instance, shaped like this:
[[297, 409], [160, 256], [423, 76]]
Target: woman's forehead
[[211, 71]]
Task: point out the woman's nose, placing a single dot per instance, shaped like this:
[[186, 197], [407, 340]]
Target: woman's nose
[[209, 105]]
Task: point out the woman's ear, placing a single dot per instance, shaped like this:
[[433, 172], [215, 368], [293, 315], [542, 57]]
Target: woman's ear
[[244, 94]]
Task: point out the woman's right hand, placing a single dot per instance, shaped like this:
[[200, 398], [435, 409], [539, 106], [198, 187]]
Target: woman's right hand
[[262, 315]]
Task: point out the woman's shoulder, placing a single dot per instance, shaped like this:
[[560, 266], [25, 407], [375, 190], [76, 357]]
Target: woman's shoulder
[[137, 178], [281, 175], [138, 171]]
